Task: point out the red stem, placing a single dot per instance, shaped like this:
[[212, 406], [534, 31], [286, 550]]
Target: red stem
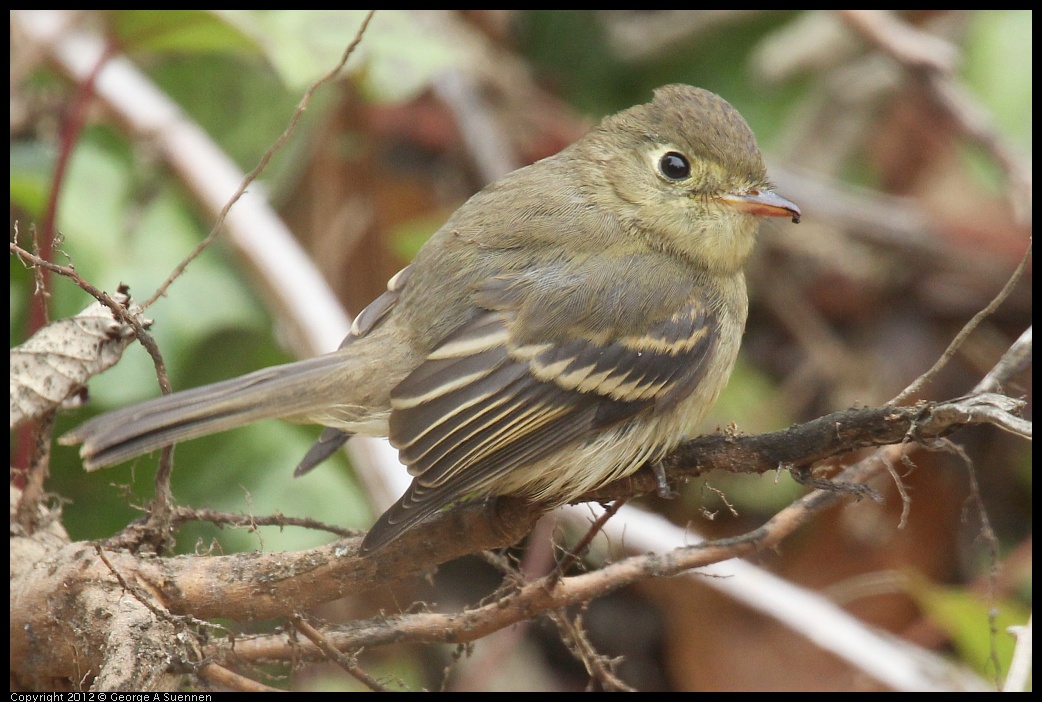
[[72, 128]]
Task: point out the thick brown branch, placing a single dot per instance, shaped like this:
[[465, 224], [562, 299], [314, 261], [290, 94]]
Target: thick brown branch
[[278, 583]]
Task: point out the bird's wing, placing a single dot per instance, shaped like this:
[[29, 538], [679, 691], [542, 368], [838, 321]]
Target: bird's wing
[[489, 400]]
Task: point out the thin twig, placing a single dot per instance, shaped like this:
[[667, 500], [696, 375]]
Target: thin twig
[[263, 164], [1016, 359], [598, 666], [118, 310], [886, 455], [182, 515], [965, 332], [348, 663], [220, 675], [991, 541], [584, 542]]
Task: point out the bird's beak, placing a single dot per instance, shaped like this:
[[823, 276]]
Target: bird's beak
[[764, 203]]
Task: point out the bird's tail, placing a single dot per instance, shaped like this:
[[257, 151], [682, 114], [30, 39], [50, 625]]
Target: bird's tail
[[298, 390]]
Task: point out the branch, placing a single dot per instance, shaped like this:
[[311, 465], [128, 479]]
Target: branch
[[277, 584], [214, 587]]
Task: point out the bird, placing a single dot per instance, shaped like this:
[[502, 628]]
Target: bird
[[568, 324]]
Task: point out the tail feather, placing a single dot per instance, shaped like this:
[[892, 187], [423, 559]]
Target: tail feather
[[327, 444], [290, 391]]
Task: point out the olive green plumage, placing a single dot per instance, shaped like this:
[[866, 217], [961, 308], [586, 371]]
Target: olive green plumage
[[568, 323]]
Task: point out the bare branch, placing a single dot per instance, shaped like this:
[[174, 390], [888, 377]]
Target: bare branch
[[345, 662], [965, 332], [1015, 360]]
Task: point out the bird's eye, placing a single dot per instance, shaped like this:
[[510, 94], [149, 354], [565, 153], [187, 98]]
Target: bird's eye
[[674, 166]]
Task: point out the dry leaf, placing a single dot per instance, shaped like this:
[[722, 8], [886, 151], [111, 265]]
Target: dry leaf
[[58, 360]]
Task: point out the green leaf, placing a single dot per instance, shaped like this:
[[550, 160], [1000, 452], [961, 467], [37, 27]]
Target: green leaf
[[117, 232], [963, 614], [183, 31], [400, 57], [998, 67], [32, 165]]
